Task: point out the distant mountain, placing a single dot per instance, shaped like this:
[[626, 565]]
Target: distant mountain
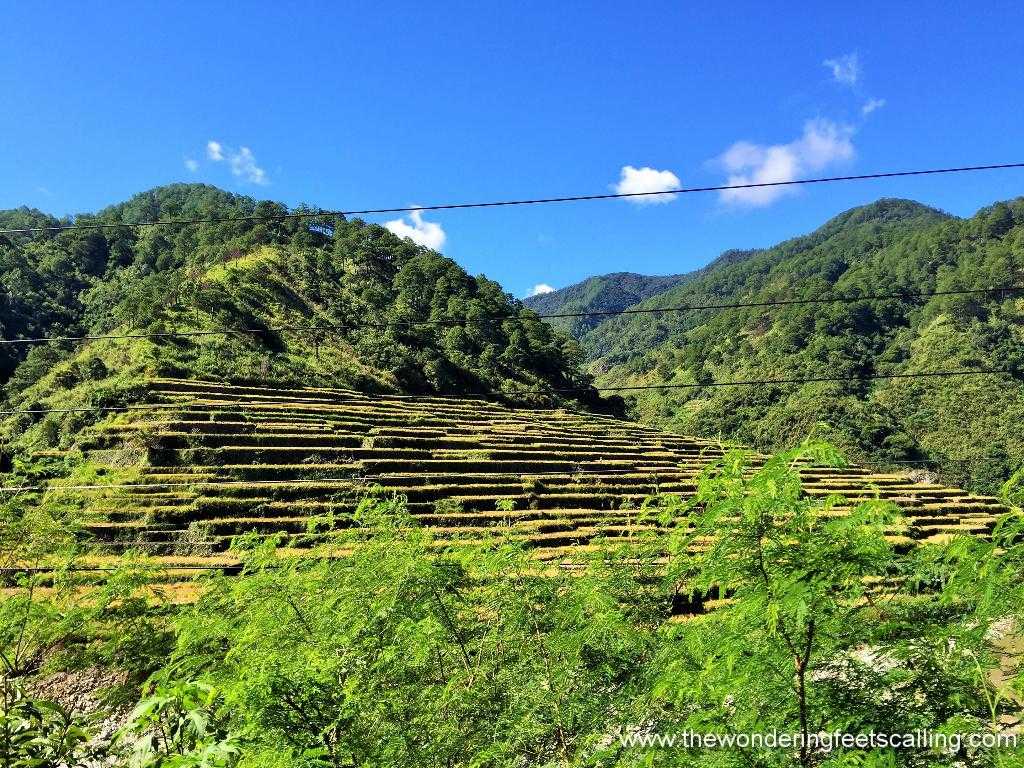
[[603, 293], [968, 427]]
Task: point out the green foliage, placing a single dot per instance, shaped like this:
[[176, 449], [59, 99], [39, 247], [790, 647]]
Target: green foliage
[[362, 292], [448, 506], [1013, 489], [606, 293], [761, 608], [35, 733], [821, 626], [179, 725], [31, 537], [399, 655], [966, 427], [54, 617]]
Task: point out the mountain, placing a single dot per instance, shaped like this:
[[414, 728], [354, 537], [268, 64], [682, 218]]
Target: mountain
[[604, 293], [316, 301], [965, 426]]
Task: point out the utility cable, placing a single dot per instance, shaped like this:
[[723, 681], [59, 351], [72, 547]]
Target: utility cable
[[505, 203], [325, 329]]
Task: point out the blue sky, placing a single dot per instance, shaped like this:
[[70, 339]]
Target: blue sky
[[377, 104]]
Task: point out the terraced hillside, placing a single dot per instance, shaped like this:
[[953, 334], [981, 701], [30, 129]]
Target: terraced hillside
[[220, 460]]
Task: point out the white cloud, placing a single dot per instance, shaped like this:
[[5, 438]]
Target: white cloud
[[871, 105], [822, 144], [845, 68], [538, 289], [646, 181], [191, 165], [242, 163], [214, 151], [425, 233]]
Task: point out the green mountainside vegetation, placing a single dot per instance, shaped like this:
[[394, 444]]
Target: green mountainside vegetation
[[363, 286], [604, 293], [411, 650], [966, 427], [614, 292]]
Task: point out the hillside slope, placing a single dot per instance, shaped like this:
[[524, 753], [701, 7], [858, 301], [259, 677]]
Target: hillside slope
[[966, 427], [316, 300], [195, 464]]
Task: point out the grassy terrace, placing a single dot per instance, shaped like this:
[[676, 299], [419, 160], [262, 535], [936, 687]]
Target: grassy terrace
[[239, 459]]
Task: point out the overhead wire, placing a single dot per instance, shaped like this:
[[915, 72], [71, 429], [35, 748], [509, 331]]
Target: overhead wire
[[487, 396], [353, 480], [324, 329], [506, 203]]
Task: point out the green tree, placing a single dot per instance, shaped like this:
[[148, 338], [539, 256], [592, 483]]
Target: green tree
[[178, 725], [406, 655], [820, 623]]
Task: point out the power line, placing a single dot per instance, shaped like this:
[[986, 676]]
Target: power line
[[227, 567], [502, 203], [849, 299], [790, 302], [485, 396], [810, 380], [312, 481]]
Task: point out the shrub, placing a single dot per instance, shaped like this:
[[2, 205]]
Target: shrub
[[38, 732], [196, 540], [448, 506]]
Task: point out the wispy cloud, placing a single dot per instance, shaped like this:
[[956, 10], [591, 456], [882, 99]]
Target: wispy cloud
[[823, 143], [646, 180], [241, 162], [425, 233], [539, 289], [191, 164], [845, 68], [871, 105]]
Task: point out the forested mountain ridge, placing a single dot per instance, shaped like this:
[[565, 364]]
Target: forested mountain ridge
[[365, 287], [603, 293], [969, 427], [193, 534], [615, 292], [794, 261]]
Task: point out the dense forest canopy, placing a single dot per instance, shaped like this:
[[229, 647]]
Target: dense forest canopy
[[365, 287], [967, 427]]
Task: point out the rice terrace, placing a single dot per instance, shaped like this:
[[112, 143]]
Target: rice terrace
[[233, 459], [610, 407]]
